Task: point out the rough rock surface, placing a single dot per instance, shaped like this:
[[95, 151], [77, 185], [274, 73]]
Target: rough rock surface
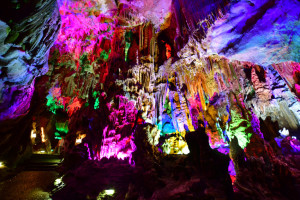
[[263, 32], [28, 30]]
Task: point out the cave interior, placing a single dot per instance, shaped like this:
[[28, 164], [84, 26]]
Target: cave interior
[[150, 99]]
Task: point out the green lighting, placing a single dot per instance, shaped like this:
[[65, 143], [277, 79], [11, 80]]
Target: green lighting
[[53, 104], [96, 105], [61, 130], [238, 130], [62, 127], [104, 55], [95, 93], [127, 46], [97, 102]]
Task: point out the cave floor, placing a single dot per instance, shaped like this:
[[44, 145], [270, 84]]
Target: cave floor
[[34, 180], [28, 185]]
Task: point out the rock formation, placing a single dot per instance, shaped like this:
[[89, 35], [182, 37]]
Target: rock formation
[[28, 30], [174, 100]]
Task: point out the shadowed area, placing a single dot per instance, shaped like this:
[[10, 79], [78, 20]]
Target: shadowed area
[[28, 185]]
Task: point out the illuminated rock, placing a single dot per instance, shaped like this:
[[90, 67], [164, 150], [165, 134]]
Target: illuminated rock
[[28, 30], [252, 32], [132, 81]]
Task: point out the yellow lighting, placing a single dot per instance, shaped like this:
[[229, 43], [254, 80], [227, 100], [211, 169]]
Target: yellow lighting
[[33, 134], [43, 135], [78, 141], [109, 192], [79, 138], [58, 181], [2, 165], [104, 193]]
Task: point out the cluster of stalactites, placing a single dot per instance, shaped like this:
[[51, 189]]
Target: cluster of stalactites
[[229, 96]]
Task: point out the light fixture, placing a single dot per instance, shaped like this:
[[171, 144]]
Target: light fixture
[[109, 192], [58, 181], [104, 193], [33, 134]]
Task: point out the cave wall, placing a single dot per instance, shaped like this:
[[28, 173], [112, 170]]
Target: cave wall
[[136, 80], [138, 73], [28, 30]]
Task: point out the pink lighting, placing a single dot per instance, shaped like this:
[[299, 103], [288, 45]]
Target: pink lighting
[[115, 146]]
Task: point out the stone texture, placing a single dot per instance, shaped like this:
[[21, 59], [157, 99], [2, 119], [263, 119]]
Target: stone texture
[[25, 43], [262, 32], [139, 89]]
